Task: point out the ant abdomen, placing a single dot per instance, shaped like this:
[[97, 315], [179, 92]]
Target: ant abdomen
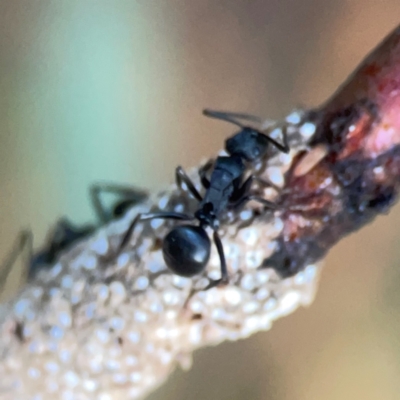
[[186, 250]]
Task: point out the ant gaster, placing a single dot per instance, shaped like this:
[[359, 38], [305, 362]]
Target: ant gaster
[[186, 248]]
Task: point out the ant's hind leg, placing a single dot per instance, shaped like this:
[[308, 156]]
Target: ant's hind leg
[[147, 217], [224, 280], [129, 197], [181, 176], [252, 197], [243, 192], [24, 241], [230, 116]]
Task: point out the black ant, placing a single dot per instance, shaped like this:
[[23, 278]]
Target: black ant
[[64, 234], [186, 248]]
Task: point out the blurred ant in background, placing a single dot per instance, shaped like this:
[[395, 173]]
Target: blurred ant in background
[[64, 234]]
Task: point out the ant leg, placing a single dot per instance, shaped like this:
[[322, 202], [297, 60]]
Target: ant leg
[[129, 196], [253, 197], [267, 183], [244, 190], [60, 238], [181, 176], [224, 270], [284, 148], [64, 234], [203, 174], [25, 240], [224, 280], [230, 116], [147, 217]]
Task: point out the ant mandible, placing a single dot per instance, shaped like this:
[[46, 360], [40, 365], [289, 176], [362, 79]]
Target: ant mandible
[[186, 248]]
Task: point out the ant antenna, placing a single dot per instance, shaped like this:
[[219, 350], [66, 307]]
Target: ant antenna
[[24, 241], [231, 117]]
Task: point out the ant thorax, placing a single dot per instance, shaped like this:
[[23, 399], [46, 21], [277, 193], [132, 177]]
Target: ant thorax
[[225, 179]]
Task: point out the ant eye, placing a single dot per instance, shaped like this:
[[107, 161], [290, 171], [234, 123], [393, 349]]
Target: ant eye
[[186, 250]]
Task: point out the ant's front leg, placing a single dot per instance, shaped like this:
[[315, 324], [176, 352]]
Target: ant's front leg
[[284, 148], [181, 176], [147, 217]]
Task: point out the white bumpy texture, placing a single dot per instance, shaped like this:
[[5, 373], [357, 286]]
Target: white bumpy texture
[[94, 327]]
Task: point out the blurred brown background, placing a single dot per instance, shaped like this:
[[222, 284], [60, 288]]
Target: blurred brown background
[[113, 91]]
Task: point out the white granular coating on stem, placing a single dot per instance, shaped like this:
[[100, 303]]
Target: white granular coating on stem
[[97, 327]]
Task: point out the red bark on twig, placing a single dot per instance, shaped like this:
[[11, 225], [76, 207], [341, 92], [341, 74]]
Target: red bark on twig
[[358, 177]]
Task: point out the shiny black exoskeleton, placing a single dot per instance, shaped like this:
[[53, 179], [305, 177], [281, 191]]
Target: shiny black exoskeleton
[[186, 248], [64, 234]]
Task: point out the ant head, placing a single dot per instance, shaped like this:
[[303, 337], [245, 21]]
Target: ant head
[[186, 250], [248, 144]]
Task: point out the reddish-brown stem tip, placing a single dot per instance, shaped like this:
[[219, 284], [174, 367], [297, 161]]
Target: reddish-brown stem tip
[[355, 162]]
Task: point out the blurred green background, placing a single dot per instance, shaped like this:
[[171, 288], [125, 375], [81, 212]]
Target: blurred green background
[[113, 91]]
